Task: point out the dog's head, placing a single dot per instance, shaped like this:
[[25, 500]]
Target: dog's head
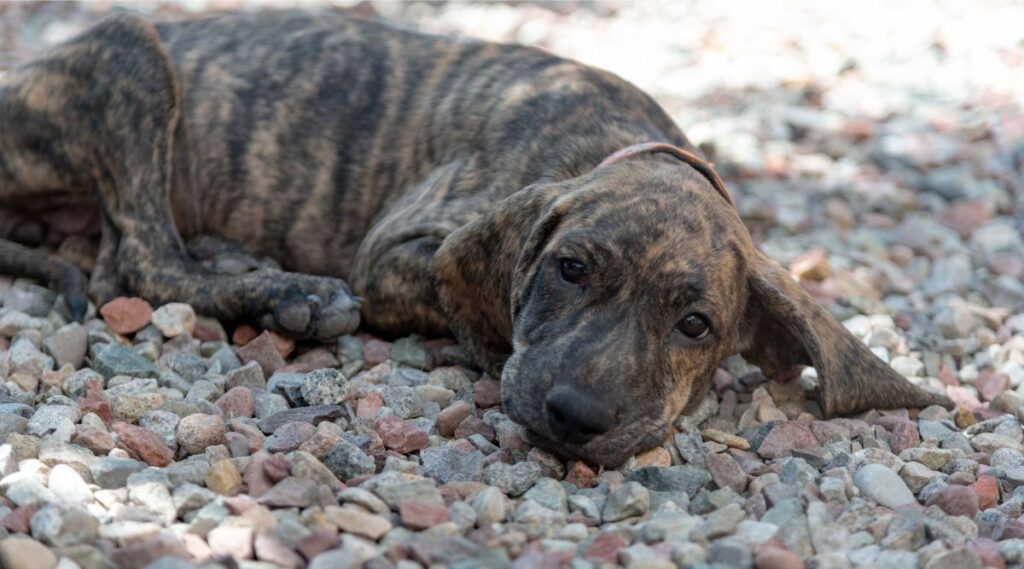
[[615, 295]]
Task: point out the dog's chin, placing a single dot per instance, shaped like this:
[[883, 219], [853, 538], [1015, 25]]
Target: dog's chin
[[610, 450]]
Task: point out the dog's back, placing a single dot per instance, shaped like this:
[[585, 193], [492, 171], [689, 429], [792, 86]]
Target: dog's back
[[302, 128]]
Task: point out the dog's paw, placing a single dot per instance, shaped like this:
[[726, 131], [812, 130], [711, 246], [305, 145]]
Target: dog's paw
[[320, 308]]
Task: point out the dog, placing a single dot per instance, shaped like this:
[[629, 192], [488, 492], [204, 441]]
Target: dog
[[549, 215]]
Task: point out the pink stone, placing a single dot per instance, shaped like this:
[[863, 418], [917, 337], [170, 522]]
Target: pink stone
[[991, 383], [605, 547], [368, 406], [451, 416], [401, 436], [785, 437], [987, 490], [956, 501], [774, 555], [417, 514], [145, 444], [376, 352], [126, 315], [487, 393], [472, 425], [243, 335], [264, 352], [231, 541], [237, 402]]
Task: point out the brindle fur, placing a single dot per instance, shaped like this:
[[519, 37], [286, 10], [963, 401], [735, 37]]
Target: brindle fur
[[443, 179]]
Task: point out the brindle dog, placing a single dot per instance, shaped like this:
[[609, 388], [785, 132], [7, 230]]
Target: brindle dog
[[451, 182]]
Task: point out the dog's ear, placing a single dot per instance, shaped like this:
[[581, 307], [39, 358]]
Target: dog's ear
[[481, 268], [785, 327]]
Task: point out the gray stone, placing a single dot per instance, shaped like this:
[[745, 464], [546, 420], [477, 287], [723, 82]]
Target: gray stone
[[229, 362], [730, 553], [628, 500], [67, 345], [266, 404], [248, 375], [63, 526], [347, 461], [413, 352], [48, 418], [114, 359], [549, 493], [723, 521], [450, 464], [404, 401], [883, 485], [11, 423], [490, 506], [312, 415], [686, 478], [189, 366], [324, 387], [512, 479]]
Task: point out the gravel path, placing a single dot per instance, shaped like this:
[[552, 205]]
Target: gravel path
[[875, 148]]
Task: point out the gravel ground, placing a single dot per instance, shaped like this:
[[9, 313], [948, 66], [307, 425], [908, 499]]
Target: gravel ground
[[876, 148]]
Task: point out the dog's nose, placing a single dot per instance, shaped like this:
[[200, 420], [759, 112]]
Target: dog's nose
[[575, 416]]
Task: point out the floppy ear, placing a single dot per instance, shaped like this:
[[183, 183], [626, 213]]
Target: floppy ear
[[482, 266], [787, 328]]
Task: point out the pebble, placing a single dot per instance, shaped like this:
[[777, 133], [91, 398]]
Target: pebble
[[514, 480], [451, 464], [883, 485], [197, 432], [174, 319], [127, 315], [324, 387]]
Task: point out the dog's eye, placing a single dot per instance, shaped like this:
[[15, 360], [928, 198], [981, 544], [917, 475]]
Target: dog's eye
[[572, 270], [694, 326]]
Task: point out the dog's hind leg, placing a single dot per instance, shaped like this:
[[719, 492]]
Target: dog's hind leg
[[120, 103]]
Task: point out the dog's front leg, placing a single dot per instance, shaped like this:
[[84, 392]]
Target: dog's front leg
[[123, 135]]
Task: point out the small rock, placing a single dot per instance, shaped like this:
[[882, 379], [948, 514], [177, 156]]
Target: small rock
[[401, 436], [487, 393], [114, 359], [413, 352], [355, 520], [512, 479], [197, 432], [263, 351], [784, 437], [145, 444], [489, 505], [127, 315], [450, 464], [223, 478], [324, 387], [628, 500], [417, 514], [348, 461], [237, 402], [174, 319], [20, 552], [883, 485], [68, 345], [450, 417]]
